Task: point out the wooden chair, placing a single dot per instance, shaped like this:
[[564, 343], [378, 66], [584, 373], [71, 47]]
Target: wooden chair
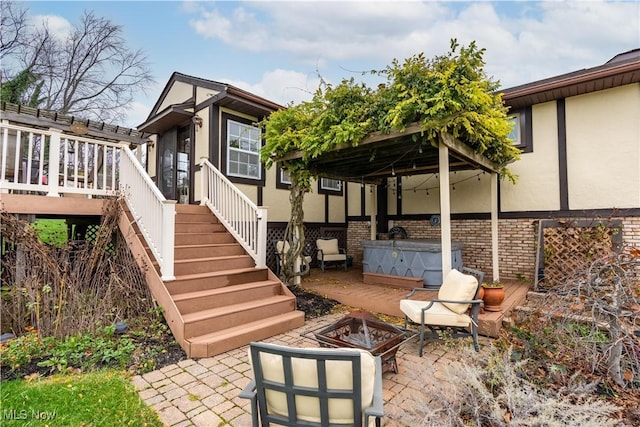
[[329, 252], [456, 308], [315, 387]]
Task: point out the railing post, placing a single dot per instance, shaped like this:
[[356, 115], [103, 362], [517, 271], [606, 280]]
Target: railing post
[[261, 244], [168, 239], [54, 162], [204, 187]]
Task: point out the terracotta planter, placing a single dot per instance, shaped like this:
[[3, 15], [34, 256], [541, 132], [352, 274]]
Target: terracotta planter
[[493, 297]]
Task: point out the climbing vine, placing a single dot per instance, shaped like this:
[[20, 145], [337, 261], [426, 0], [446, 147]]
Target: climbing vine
[[449, 94]]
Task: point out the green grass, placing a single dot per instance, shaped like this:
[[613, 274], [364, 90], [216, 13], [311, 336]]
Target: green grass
[[52, 231], [104, 398]]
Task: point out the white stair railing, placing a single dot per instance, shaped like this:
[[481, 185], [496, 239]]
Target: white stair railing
[[244, 220], [154, 214]]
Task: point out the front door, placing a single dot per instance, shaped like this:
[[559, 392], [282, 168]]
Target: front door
[[174, 164]]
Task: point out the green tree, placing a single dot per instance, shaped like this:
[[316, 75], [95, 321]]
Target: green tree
[[24, 88], [449, 94]]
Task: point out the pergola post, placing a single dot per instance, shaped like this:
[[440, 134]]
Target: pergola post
[[374, 210], [494, 227], [445, 208]]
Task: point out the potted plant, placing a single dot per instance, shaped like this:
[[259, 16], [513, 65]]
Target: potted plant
[[493, 296]]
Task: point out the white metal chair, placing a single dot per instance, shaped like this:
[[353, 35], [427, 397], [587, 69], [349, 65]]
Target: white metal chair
[[456, 308], [315, 387]]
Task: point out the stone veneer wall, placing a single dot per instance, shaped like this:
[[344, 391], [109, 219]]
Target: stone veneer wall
[[516, 242]]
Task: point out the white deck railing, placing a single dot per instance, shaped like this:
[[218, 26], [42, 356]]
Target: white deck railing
[[154, 214], [48, 161], [246, 221]]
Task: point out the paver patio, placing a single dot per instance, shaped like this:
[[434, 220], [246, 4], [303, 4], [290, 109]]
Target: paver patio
[[204, 392]]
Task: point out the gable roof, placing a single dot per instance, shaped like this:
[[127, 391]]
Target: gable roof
[[622, 69], [226, 95]]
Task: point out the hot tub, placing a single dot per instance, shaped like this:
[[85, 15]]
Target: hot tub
[[409, 258]]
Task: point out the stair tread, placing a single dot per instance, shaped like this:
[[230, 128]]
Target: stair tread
[[217, 273], [225, 289], [207, 245], [236, 330], [233, 308], [211, 258]]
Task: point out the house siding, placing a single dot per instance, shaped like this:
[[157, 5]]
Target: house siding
[[538, 173], [603, 149]]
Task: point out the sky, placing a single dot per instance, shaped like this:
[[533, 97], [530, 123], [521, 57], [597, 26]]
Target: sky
[[281, 50]]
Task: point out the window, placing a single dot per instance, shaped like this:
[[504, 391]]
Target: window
[[522, 133], [515, 131], [330, 186], [285, 178], [243, 150]]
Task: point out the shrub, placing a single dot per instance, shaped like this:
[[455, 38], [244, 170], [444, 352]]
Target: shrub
[[490, 389]]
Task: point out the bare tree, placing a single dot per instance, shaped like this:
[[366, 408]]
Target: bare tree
[[90, 72], [12, 24]]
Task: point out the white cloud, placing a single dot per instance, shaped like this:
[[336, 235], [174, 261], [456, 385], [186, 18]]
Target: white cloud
[[58, 26], [524, 41], [281, 86]]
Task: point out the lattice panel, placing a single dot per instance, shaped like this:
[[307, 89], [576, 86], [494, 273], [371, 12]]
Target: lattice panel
[[311, 234], [570, 249]]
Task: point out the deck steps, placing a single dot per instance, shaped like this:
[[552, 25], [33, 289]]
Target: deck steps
[[215, 319], [207, 250], [220, 299], [216, 279], [189, 302], [237, 336], [203, 265]]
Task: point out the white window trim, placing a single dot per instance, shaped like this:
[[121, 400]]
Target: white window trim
[[284, 180], [240, 150]]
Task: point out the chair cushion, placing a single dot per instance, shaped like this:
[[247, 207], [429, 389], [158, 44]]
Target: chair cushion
[[305, 374], [437, 314], [334, 257], [282, 246], [458, 286], [328, 247]]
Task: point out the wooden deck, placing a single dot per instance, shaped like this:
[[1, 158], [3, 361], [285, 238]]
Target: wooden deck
[[349, 289]]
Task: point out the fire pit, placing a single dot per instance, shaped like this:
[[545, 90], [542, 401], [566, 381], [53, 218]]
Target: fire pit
[[365, 331]]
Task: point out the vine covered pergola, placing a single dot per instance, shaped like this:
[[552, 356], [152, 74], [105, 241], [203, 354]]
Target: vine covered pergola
[[431, 116]]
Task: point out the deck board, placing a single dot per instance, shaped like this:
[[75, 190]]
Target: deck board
[[349, 289]]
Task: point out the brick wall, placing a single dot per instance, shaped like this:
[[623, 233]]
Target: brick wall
[[516, 242]]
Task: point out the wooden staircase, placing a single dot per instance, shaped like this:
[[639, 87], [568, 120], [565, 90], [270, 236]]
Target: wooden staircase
[[219, 300]]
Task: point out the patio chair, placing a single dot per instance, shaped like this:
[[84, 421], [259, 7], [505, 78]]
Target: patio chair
[[329, 252], [314, 386], [456, 308], [280, 248]]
